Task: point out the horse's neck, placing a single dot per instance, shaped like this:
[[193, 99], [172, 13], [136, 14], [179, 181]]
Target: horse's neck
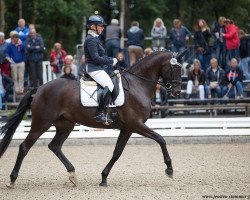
[[146, 74], [149, 67]]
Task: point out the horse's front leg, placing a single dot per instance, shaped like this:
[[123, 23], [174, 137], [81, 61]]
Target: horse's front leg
[[149, 133], [120, 144]]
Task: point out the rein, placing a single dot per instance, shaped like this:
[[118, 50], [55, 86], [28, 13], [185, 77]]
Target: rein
[[167, 85]]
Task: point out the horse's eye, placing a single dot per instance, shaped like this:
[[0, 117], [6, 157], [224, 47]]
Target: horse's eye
[[168, 86]]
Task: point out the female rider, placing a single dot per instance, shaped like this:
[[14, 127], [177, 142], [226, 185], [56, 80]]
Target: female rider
[[96, 61]]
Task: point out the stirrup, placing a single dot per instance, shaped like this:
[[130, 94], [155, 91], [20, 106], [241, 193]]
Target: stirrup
[[101, 117]]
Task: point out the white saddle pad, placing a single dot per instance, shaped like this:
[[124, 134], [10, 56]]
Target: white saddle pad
[[89, 94]]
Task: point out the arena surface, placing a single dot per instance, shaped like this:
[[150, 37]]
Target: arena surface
[[220, 171]]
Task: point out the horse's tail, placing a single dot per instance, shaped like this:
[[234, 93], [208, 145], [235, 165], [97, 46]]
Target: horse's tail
[[8, 130]]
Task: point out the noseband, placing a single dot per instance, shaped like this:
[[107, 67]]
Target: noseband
[[168, 84]]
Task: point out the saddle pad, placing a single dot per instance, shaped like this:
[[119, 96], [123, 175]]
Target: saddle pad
[[89, 94]]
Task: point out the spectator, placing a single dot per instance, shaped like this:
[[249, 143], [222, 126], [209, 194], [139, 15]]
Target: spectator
[[201, 37], [35, 49], [69, 62], [159, 99], [135, 42], [6, 85], [121, 60], [196, 80], [4, 64], [67, 73], [244, 44], [233, 79], [214, 79], [15, 53], [57, 59], [81, 70], [22, 30], [113, 35], [158, 34], [219, 29], [245, 54], [9, 39], [232, 40], [148, 51], [179, 34]]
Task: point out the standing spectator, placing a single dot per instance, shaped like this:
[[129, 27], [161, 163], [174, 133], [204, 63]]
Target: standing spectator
[[15, 53], [159, 99], [9, 39], [201, 37], [35, 49], [244, 44], [219, 29], [214, 79], [4, 64], [179, 34], [158, 34], [113, 36], [57, 59], [6, 85], [135, 42], [82, 67], [69, 62], [22, 30], [244, 53], [67, 73], [196, 80], [233, 78], [232, 40]]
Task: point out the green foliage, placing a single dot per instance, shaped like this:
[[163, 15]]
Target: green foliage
[[62, 20], [12, 112]]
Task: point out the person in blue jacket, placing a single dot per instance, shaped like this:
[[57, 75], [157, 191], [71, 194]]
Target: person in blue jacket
[[22, 30], [96, 62]]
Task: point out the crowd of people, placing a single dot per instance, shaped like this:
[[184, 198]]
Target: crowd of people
[[219, 62]]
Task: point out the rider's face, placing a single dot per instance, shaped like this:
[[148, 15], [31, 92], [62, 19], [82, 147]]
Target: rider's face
[[99, 28]]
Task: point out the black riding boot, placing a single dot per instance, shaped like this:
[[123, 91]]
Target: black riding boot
[[102, 109]]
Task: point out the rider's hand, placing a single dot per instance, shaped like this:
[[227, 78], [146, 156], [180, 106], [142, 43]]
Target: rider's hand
[[114, 61]]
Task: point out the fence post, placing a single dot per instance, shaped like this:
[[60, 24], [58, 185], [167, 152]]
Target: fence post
[[48, 75]]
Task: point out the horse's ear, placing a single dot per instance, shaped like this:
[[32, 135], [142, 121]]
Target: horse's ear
[[181, 54]]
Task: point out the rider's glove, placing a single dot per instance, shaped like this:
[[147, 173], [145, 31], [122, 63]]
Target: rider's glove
[[114, 61]]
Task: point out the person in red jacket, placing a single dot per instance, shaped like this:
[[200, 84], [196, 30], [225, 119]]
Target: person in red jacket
[[232, 40], [57, 57]]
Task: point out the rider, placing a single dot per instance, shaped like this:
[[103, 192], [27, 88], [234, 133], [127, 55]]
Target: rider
[[96, 61]]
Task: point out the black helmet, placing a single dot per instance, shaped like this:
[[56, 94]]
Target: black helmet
[[95, 20]]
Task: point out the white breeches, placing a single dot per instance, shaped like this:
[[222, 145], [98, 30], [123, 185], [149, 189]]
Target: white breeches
[[102, 78], [191, 87]]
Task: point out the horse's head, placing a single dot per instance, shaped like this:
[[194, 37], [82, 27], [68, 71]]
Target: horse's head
[[171, 74]]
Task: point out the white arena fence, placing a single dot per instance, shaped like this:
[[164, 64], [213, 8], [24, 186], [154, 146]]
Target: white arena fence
[[183, 127], [48, 74]]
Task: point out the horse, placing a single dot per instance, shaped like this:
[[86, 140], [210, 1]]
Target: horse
[[58, 103]]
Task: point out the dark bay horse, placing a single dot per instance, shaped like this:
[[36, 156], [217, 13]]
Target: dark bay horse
[[58, 103]]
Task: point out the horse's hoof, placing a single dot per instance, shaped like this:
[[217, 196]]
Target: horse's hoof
[[73, 179], [11, 185], [103, 184], [169, 173]]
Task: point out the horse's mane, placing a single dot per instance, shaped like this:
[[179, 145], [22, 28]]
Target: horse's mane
[[146, 58]]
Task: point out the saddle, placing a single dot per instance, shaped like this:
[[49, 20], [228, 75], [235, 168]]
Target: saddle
[[114, 75]]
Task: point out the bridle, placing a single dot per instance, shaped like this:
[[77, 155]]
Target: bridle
[[168, 84]]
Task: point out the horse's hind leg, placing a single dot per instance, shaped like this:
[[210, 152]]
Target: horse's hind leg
[[24, 148], [120, 144], [63, 129], [145, 131]]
